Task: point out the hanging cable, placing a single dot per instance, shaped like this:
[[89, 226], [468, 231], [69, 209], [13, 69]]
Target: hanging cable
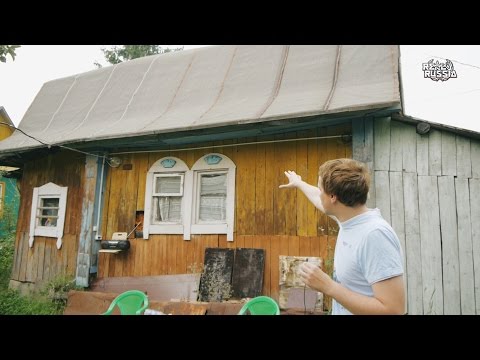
[[50, 145]]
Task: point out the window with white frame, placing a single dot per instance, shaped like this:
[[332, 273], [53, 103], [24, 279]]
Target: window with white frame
[[167, 187], [213, 195], [48, 212]]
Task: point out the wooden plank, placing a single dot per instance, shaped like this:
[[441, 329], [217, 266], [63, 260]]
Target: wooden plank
[[465, 250], [172, 254], [247, 276], [435, 152], [29, 275], [422, 154], [431, 248], [260, 184], [181, 265], [369, 160], [358, 139], [324, 154], [280, 196], [475, 218], [248, 199], [382, 143], [449, 154], [141, 169], [409, 148], [270, 187], [396, 146], [290, 196], [448, 223], [464, 162], [475, 157], [302, 170], [305, 246], [398, 217], [40, 259], [87, 222], [382, 191], [274, 266], [245, 177], [293, 245], [312, 178], [47, 262]]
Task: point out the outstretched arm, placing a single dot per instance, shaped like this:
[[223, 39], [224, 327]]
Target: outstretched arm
[[310, 191]]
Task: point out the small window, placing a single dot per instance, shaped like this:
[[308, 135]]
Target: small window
[[165, 191], [48, 212], [167, 198], [212, 191], [214, 195]]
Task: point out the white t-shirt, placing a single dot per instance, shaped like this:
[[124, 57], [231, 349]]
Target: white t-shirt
[[367, 251]]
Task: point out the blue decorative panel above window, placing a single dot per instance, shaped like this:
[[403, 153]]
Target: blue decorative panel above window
[[168, 163], [212, 159]]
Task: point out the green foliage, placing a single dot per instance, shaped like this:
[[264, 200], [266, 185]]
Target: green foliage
[[7, 50], [57, 290], [51, 300], [123, 53], [7, 245]]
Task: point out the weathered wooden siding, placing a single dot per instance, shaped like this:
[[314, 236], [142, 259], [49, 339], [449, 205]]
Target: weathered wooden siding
[[44, 262], [281, 221], [427, 187]]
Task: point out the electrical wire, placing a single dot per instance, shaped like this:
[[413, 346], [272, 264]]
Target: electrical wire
[[50, 145]]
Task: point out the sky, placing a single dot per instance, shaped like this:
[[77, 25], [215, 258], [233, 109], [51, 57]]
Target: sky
[[452, 102]]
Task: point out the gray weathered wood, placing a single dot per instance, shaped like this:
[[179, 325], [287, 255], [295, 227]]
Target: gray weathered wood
[[431, 247], [369, 159], [449, 154], [464, 162], [398, 216], [412, 245], [382, 194], [422, 154], [435, 152], [358, 139], [475, 155], [448, 222], [475, 219], [409, 148], [465, 249], [86, 235], [382, 143], [396, 146]]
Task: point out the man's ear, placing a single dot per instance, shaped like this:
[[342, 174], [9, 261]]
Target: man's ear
[[333, 199]]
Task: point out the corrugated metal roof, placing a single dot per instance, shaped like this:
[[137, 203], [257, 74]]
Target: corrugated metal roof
[[209, 87]]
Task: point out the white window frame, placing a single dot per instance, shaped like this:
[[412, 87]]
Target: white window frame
[[214, 163], [49, 190], [168, 166]]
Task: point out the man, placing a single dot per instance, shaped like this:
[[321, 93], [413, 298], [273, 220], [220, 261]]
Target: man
[[368, 271]]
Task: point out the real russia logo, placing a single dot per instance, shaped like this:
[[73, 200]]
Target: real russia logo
[[437, 70]]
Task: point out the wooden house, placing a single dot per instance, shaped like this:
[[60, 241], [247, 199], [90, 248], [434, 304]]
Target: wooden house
[[194, 144], [9, 192]]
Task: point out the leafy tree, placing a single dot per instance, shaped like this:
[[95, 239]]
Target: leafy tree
[[7, 50], [117, 54]]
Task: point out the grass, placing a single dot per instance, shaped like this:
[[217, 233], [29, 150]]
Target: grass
[[51, 300]]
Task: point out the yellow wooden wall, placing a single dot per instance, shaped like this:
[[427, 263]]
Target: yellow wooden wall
[[281, 221], [44, 262]]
